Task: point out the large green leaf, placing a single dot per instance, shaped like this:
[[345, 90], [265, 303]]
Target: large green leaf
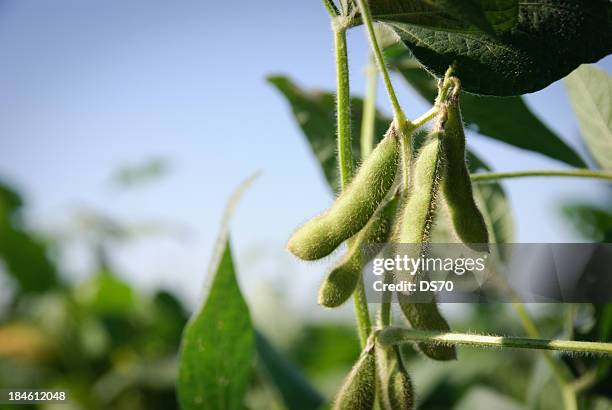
[[590, 91], [459, 15], [550, 39], [218, 341], [315, 112], [505, 119], [295, 389]]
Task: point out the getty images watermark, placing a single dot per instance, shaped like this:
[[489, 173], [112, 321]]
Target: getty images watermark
[[570, 273]]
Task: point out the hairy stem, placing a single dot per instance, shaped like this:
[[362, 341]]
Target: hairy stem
[[397, 335], [364, 9], [578, 173], [369, 111], [331, 8], [343, 108], [345, 160], [424, 118]]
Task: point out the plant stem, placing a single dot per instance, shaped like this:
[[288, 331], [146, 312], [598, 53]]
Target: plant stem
[[331, 8], [364, 9], [579, 173], [345, 160], [364, 326], [423, 118], [397, 335], [369, 111], [343, 108]]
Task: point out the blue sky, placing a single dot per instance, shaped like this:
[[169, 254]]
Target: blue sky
[[87, 87]]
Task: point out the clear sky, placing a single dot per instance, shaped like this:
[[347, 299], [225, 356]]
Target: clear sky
[[88, 86]]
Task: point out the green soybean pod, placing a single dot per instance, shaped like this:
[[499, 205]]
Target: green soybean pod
[[414, 226], [340, 284], [399, 387], [358, 390], [468, 222], [354, 207], [427, 316], [419, 206], [395, 391]]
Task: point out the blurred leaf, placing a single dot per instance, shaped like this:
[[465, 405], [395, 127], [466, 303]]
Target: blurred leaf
[[458, 15], [218, 342], [105, 294], [130, 176], [540, 377], [548, 42], [315, 112], [592, 222], [325, 347], [24, 341], [590, 92], [485, 398], [601, 403], [505, 119], [295, 389], [10, 201], [24, 255]]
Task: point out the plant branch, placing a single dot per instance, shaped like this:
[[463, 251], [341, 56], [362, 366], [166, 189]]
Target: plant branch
[[578, 173], [369, 111], [423, 118], [364, 10], [345, 158], [343, 109], [397, 335], [331, 8]]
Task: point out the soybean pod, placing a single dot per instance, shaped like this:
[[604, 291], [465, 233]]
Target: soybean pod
[[354, 207], [399, 386], [414, 227], [358, 390], [342, 280], [396, 392], [468, 222]]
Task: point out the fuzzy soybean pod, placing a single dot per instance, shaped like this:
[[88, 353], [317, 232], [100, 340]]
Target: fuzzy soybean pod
[[342, 280], [396, 392], [358, 390], [354, 207], [467, 220], [414, 227], [399, 388]]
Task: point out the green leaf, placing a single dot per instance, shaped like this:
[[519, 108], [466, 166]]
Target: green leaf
[[295, 389], [590, 92], [105, 294], [22, 253], [505, 119], [491, 16], [217, 346], [592, 222], [459, 15], [549, 40], [315, 112], [218, 342]]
